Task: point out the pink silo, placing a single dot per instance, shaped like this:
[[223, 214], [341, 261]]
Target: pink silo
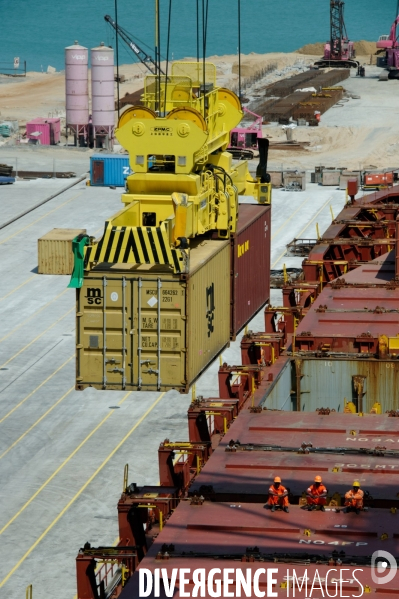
[[103, 94], [77, 90]]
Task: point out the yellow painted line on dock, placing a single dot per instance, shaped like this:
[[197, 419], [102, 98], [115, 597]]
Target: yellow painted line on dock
[[34, 390], [288, 219], [37, 422], [16, 288], [32, 315], [304, 229], [61, 466], [36, 338], [41, 218], [40, 309], [81, 490]]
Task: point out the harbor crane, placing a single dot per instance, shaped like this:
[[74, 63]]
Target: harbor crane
[[143, 57], [339, 51]]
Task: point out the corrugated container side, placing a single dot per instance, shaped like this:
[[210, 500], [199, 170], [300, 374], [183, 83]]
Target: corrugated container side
[[208, 310], [109, 169], [327, 383], [279, 396], [345, 175], [250, 264], [330, 177], [55, 130], [276, 178], [160, 331], [378, 179], [42, 128], [55, 255]]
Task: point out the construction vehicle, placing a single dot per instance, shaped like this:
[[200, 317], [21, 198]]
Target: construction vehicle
[[244, 140], [338, 51], [183, 183], [388, 50], [143, 57]]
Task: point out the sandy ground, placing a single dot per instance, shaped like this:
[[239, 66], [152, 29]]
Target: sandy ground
[[42, 94], [359, 132]]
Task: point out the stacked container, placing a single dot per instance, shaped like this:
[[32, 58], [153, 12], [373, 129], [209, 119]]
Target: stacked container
[[140, 326]]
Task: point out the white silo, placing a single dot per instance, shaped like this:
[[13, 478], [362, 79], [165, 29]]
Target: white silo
[[77, 90], [103, 94]]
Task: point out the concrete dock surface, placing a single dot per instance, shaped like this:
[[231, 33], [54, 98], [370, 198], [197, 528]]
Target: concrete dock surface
[[63, 452]]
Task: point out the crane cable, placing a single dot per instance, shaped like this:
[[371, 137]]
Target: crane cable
[[205, 7], [167, 53]]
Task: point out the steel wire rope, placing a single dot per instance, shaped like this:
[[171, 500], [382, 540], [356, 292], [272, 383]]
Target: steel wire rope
[[37, 220], [54, 195], [167, 54], [198, 33]]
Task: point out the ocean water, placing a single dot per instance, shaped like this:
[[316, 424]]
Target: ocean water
[[38, 31]]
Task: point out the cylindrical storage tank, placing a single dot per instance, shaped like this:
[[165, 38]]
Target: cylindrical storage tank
[[102, 86], [76, 85]]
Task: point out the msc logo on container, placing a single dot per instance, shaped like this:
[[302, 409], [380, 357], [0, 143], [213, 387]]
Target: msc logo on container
[[94, 295], [242, 248]]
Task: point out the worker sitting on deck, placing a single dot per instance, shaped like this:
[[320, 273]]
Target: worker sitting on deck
[[354, 499], [278, 496], [316, 495]]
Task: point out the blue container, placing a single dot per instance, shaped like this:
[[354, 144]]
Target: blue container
[[109, 169]]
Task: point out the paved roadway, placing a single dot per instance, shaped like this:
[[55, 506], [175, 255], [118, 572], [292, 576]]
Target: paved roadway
[[62, 452]]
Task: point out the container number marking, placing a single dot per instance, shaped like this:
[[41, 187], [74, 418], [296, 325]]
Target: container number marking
[[94, 295]]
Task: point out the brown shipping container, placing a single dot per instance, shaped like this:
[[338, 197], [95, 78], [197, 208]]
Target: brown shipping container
[[55, 255], [160, 330], [250, 264]]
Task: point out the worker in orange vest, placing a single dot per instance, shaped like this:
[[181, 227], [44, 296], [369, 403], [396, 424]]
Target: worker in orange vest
[[278, 496], [354, 498], [316, 495]]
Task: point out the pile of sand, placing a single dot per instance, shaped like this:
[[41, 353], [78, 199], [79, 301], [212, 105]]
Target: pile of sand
[[362, 48]]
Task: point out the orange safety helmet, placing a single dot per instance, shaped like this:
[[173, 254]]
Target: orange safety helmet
[[277, 479], [317, 479]]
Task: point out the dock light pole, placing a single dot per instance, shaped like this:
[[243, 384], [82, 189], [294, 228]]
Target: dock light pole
[[117, 54]]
